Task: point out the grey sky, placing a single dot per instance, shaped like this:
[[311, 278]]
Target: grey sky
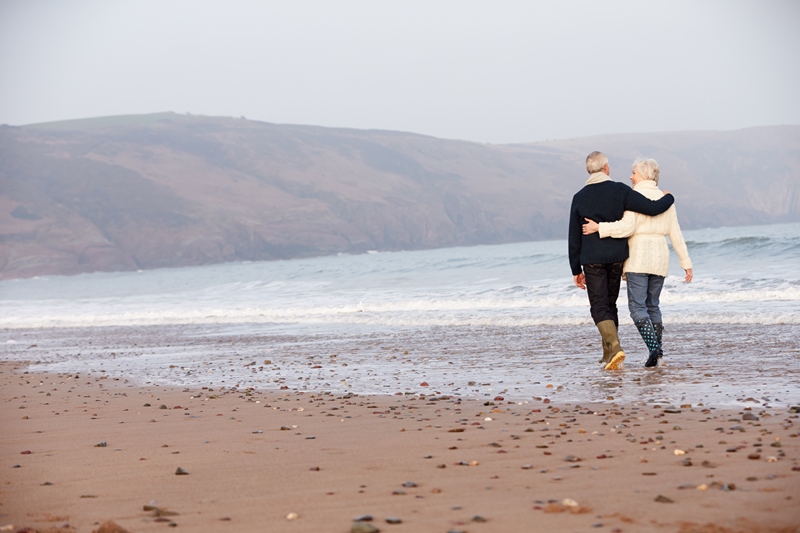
[[499, 71]]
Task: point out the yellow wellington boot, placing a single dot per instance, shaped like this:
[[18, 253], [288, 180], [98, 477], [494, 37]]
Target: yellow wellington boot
[[608, 331]]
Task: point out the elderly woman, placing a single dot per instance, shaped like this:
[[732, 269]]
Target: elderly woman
[[648, 260]]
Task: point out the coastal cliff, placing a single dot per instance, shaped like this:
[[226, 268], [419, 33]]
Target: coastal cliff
[[168, 190]]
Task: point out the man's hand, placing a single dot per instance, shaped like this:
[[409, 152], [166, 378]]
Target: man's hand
[[590, 226], [580, 281], [688, 275]]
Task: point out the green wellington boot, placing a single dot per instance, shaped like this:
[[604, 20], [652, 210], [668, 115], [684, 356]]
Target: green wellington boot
[[607, 350], [608, 331]]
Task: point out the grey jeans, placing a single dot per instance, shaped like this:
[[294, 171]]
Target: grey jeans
[[644, 291]]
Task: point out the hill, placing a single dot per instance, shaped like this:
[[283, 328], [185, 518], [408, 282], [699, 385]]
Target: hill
[[165, 190]]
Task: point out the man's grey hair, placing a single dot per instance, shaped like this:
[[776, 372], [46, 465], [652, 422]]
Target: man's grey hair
[[595, 162], [648, 169]]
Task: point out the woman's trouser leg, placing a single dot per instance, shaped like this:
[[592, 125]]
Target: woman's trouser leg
[[653, 309], [638, 298]]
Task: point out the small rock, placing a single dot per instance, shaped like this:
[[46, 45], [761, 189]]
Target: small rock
[[181, 472], [663, 499], [363, 518], [409, 484], [363, 527], [393, 520], [101, 444], [110, 527]]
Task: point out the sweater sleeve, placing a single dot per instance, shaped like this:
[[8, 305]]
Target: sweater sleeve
[[635, 201], [623, 227], [676, 239], [575, 239]]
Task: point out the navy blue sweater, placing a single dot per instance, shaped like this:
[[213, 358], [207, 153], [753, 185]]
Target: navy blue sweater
[[605, 202]]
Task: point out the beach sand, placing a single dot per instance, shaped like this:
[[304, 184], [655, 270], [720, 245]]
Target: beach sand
[[81, 451]]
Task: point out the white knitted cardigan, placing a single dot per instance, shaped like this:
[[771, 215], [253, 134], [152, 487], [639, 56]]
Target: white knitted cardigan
[[648, 251]]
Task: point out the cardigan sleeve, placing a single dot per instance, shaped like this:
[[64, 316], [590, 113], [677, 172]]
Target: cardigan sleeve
[[676, 238], [623, 227]]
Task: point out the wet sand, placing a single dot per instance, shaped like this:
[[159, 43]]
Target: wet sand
[[80, 450]]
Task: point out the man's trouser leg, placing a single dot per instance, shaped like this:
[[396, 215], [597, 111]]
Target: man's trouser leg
[[602, 287]]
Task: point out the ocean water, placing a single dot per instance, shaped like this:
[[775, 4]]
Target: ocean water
[[479, 322]]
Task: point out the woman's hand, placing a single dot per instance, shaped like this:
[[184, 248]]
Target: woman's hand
[[590, 227], [688, 275]]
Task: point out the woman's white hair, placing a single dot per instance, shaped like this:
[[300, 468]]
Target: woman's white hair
[[648, 169]]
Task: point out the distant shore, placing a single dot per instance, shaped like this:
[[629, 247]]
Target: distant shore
[[81, 450]]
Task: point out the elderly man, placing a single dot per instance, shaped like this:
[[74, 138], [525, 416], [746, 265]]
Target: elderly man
[[597, 263]]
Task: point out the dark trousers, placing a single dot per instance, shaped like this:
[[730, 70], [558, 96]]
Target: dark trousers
[[602, 287]]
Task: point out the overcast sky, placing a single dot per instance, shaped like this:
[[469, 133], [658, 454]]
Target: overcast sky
[[494, 71]]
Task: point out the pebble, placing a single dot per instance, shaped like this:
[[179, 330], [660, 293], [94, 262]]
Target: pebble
[[363, 527], [363, 518], [663, 499], [181, 472], [110, 527], [393, 520]]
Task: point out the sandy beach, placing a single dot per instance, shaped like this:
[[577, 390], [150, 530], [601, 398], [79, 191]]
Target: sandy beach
[[90, 453]]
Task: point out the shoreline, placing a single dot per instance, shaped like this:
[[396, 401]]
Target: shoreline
[[713, 365], [103, 449]]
